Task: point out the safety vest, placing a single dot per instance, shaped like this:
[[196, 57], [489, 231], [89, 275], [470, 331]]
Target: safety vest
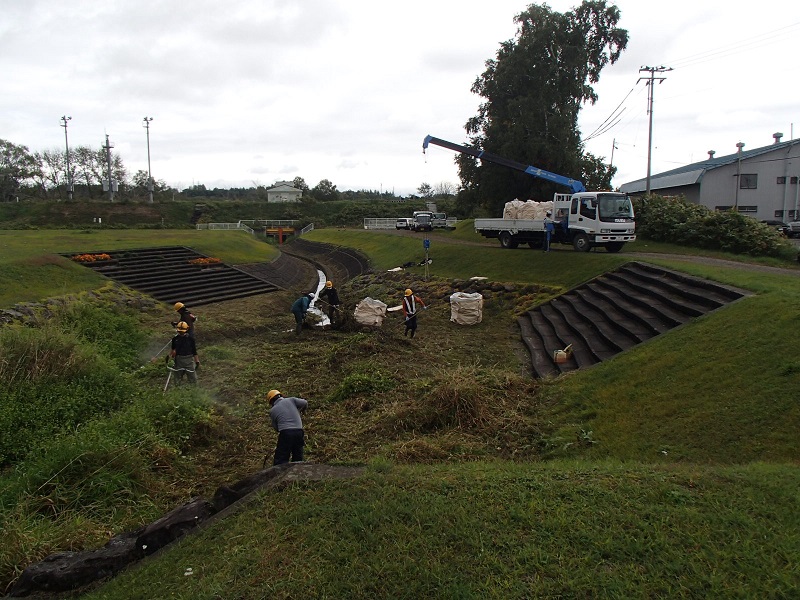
[[410, 305]]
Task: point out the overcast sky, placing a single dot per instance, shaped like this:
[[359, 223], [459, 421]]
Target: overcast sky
[[254, 91]]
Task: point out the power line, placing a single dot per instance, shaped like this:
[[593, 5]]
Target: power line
[[757, 41]]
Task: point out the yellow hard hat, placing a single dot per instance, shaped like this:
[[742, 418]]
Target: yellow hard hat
[[178, 305], [328, 284], [271, 395], [183, 327], [409, 292]]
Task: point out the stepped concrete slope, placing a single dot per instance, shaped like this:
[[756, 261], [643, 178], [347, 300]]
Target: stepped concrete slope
[[169, 275], [614, 312]]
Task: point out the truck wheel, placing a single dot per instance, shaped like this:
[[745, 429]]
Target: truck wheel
[[507, 240], [581, 243], [614, 246]]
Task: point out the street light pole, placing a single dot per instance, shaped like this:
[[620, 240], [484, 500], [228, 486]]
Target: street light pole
[[149, 174], [64, 120], [108, 148]]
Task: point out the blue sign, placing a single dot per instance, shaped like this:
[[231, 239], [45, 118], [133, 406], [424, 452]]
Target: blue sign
[[426, 243]]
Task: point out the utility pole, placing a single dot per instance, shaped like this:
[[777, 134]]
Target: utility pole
[[613, 147], [650, 80], [64, 120], [108, 148], [149, 174]]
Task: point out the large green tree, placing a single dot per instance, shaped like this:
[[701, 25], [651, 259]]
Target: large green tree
[[17, 166], [533, 91]]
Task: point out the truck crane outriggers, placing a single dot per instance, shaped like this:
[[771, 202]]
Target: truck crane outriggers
[[583, 219]]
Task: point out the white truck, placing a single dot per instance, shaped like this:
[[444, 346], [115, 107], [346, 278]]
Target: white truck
[[584, 219]]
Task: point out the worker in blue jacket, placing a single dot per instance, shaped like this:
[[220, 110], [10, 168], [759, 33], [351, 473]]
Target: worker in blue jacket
[[299, 310], [549, 230]]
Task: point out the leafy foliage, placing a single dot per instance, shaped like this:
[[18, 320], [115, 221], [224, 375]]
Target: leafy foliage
[[679, 221], [533, 92]]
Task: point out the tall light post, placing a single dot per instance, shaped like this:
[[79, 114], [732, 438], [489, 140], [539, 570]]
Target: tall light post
[[108, 148], [740, 145], [64, 120], [149, 174]]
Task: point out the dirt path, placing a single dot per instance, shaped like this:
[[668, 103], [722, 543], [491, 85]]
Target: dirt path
[[707, 260]]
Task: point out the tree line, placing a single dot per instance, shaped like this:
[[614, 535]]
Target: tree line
[[26, 175]]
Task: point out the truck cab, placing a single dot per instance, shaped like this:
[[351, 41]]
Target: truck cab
[[598, 219], [422, 220]]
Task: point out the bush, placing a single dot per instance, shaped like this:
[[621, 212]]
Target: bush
[[678, 221]]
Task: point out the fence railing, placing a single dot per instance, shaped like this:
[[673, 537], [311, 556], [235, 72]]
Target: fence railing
[[260, 223], [391, 223], [270, 223], [239, 225], [379, 223]]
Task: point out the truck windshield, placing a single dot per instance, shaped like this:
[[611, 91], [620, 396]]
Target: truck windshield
[[613, 207]]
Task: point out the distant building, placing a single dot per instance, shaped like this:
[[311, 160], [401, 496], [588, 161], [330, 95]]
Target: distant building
[[761, 183], [284, 191]]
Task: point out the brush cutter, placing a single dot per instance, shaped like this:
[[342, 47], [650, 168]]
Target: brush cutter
[[173, 370], [155, 358]]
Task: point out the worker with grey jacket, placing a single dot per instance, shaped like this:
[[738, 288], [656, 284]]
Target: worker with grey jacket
[[284, 413]]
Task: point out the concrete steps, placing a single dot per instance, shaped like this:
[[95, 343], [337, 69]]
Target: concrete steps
[[614, 312], [167, 274]]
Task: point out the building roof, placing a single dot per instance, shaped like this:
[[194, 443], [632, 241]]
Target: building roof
[[693, 173]]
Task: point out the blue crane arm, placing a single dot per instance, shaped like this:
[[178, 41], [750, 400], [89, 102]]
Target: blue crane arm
[[575, 185]]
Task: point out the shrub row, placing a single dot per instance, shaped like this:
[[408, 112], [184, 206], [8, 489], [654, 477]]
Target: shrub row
[[678, 221]]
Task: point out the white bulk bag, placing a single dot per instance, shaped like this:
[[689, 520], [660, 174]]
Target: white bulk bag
[[370, 312], [466, 309]]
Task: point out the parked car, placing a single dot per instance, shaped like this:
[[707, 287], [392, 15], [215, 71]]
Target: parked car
[[793, 229], [780, 226], [404, 223]]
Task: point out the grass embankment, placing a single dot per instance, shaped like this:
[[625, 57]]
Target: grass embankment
[[456, 405], [497, 530], [30, 268]]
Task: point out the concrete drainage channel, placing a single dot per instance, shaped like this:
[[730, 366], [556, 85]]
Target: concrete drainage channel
[[614, 312]]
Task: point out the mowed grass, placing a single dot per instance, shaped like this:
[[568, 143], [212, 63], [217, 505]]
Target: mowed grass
[[497, 530]]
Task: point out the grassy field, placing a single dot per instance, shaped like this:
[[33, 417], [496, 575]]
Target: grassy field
[[669, 471]]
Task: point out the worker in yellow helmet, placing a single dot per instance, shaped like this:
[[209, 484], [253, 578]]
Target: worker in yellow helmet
[[331, 297], [184, 353], [185, 315], [411, 305]]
